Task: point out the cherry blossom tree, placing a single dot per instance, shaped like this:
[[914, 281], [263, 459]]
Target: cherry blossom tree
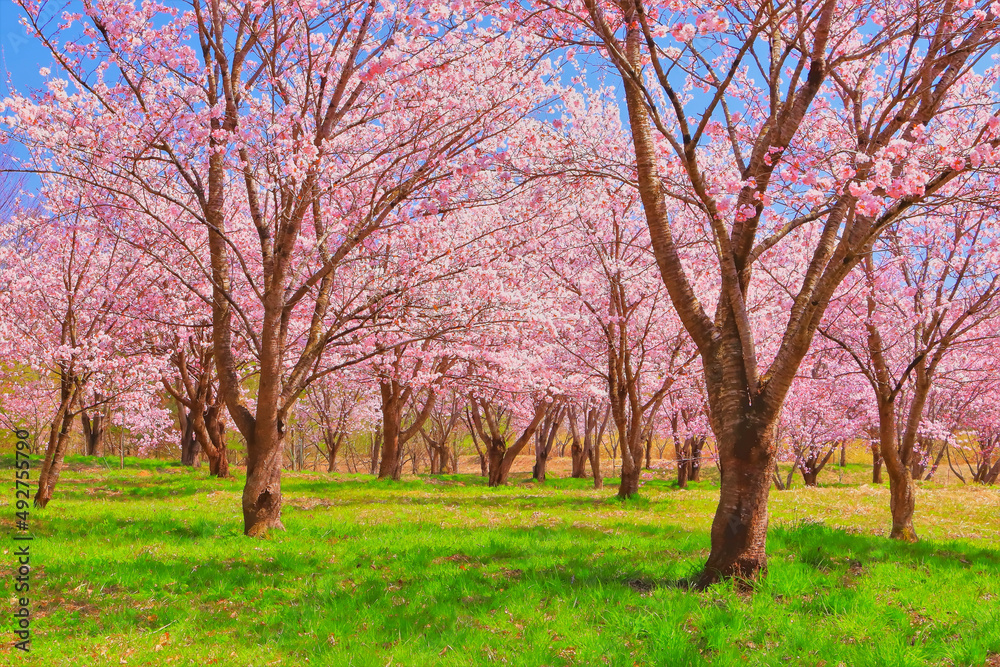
[[604, 265], [685, 412], [809, 123], [618, 327], [195, 390], [825, 409], [506, 425], [71, 313], [439, 430], [332, 404], [587, 419], [929, 287], [294, 137], [979, 423]]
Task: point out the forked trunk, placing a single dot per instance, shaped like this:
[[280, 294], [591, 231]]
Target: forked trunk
[[812, 466], [497, 475], [210, 431], [937, 462], [394, 437], [694, 458], [545, 437], [991, 475], [219, 466], [918, 461], [333, 441], [93, 433], [439, 457]]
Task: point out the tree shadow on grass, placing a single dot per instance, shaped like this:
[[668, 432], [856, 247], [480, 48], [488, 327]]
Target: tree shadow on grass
[[390, 581], [824, 547], [523, 496]]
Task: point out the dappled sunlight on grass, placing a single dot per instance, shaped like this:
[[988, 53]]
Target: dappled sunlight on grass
[[150, 564]]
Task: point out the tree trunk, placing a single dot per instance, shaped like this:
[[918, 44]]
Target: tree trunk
[[439, 457], [538, 471], [649, 448], [629, 485], [376, 452], [739, 530], [902, 490], [937, 462], [209, 430], [991, 476], [593, 445], [579, 460], [813, 466], [876, 464], [54, 455], [545, 437], [331, 465], [394, 437], [391, 465], [432, 458], [93, 432], [632, 455], [681, 457], [262, 492], [595, 465], [682, 454], [497, 476], [918, 461], [51, 468], [59, 431], [843, 453], [694, 458], [189, 442]]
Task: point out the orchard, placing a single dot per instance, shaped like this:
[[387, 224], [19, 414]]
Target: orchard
[[575, 332]]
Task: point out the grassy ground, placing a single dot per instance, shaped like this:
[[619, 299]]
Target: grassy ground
[[147, 566]]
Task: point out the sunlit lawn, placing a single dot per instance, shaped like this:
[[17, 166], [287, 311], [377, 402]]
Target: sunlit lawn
[[148, 566]]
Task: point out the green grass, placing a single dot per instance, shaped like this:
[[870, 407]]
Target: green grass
[[148, 565]]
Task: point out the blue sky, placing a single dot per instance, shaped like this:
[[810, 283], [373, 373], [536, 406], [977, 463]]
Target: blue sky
[[20, 59], [22, 56]]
